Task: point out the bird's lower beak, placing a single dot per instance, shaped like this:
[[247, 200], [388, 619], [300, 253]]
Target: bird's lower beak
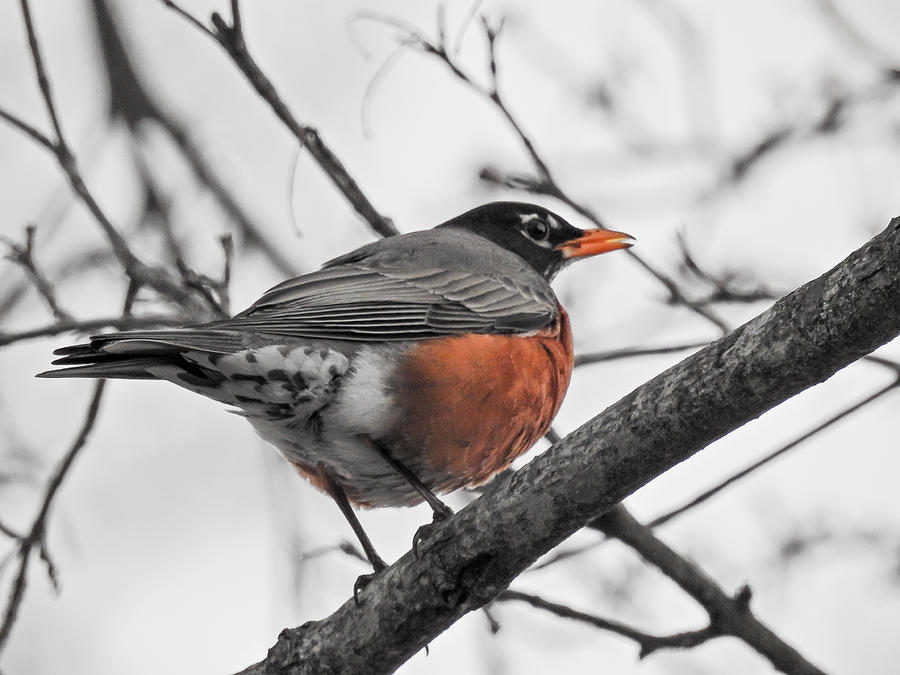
[[592, 242]]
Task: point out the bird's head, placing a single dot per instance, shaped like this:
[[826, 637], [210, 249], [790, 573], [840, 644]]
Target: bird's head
[[543, 239]]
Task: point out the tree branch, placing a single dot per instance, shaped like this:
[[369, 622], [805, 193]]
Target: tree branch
[[544, 183], [743, 473], [466, 561], [648, 643], [36, 538], [630, 352], [91, 325], [132, 102], [727, 615], [23, 255], [138, 272], [231, 38]]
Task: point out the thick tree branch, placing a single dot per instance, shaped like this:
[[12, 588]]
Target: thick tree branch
[[803, 339]]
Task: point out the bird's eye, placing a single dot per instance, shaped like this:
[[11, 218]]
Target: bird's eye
[[537, 229]]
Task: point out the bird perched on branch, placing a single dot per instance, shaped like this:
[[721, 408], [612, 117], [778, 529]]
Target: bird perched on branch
[[414, 365]]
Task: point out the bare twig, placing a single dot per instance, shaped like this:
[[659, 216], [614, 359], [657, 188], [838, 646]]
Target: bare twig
[[28, 130], [135, 104], [723, 287], [88, 326], [544, 183], [190, 18], [345, 547], [23, 254], [36, 538], [231, 37], [832, 117], [728, 615], [648, 643], [9, 532], [630, 352], [82, 260], [743, 473], [139, 273]]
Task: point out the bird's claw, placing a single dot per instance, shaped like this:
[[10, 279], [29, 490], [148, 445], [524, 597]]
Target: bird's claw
[[363, 580], [440, 515]]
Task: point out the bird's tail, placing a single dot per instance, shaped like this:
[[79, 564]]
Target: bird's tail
[[139, 355]]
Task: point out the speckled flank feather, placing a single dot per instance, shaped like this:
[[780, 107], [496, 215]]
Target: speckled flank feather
[[273, 382]]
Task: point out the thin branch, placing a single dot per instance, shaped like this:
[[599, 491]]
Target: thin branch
[[833, 116], [723, 287], [190, 18], [545, 183], [728, 615], [41, 74], [156, 278], [648, 643], [231, 37], [36, 536], [743, 473], [79, 262], [23, 255], [88, 326], [629, 352], [9, 532], [133, 103], [345, 547], [27, 129], [61, 149], [465, 23]]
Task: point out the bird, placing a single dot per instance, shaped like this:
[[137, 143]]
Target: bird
[[412, 366]]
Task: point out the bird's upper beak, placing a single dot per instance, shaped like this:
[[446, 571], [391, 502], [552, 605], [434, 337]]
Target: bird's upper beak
[[592, 242]]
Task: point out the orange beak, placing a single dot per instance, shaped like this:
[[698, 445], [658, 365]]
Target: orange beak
[[592, 242]]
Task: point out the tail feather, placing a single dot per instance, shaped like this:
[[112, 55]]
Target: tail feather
[[129, 355], [122, 369]]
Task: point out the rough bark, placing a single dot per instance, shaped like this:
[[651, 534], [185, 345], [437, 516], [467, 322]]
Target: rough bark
[[803, 339]]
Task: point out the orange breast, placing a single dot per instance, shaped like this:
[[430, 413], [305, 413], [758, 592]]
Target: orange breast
[[469, 405]]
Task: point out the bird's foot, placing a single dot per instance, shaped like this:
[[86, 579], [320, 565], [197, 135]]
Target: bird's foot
[[439, 516], [363, 580]]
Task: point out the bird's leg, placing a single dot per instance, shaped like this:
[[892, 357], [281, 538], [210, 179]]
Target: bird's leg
[[440, 509], [340, 498]]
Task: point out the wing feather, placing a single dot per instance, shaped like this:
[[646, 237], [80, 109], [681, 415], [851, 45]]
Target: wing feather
[[354, 302]]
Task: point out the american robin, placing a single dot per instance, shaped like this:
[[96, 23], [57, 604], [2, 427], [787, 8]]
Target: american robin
[[414, 365]]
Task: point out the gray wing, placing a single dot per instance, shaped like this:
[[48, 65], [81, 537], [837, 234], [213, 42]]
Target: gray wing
[[355, 302]]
